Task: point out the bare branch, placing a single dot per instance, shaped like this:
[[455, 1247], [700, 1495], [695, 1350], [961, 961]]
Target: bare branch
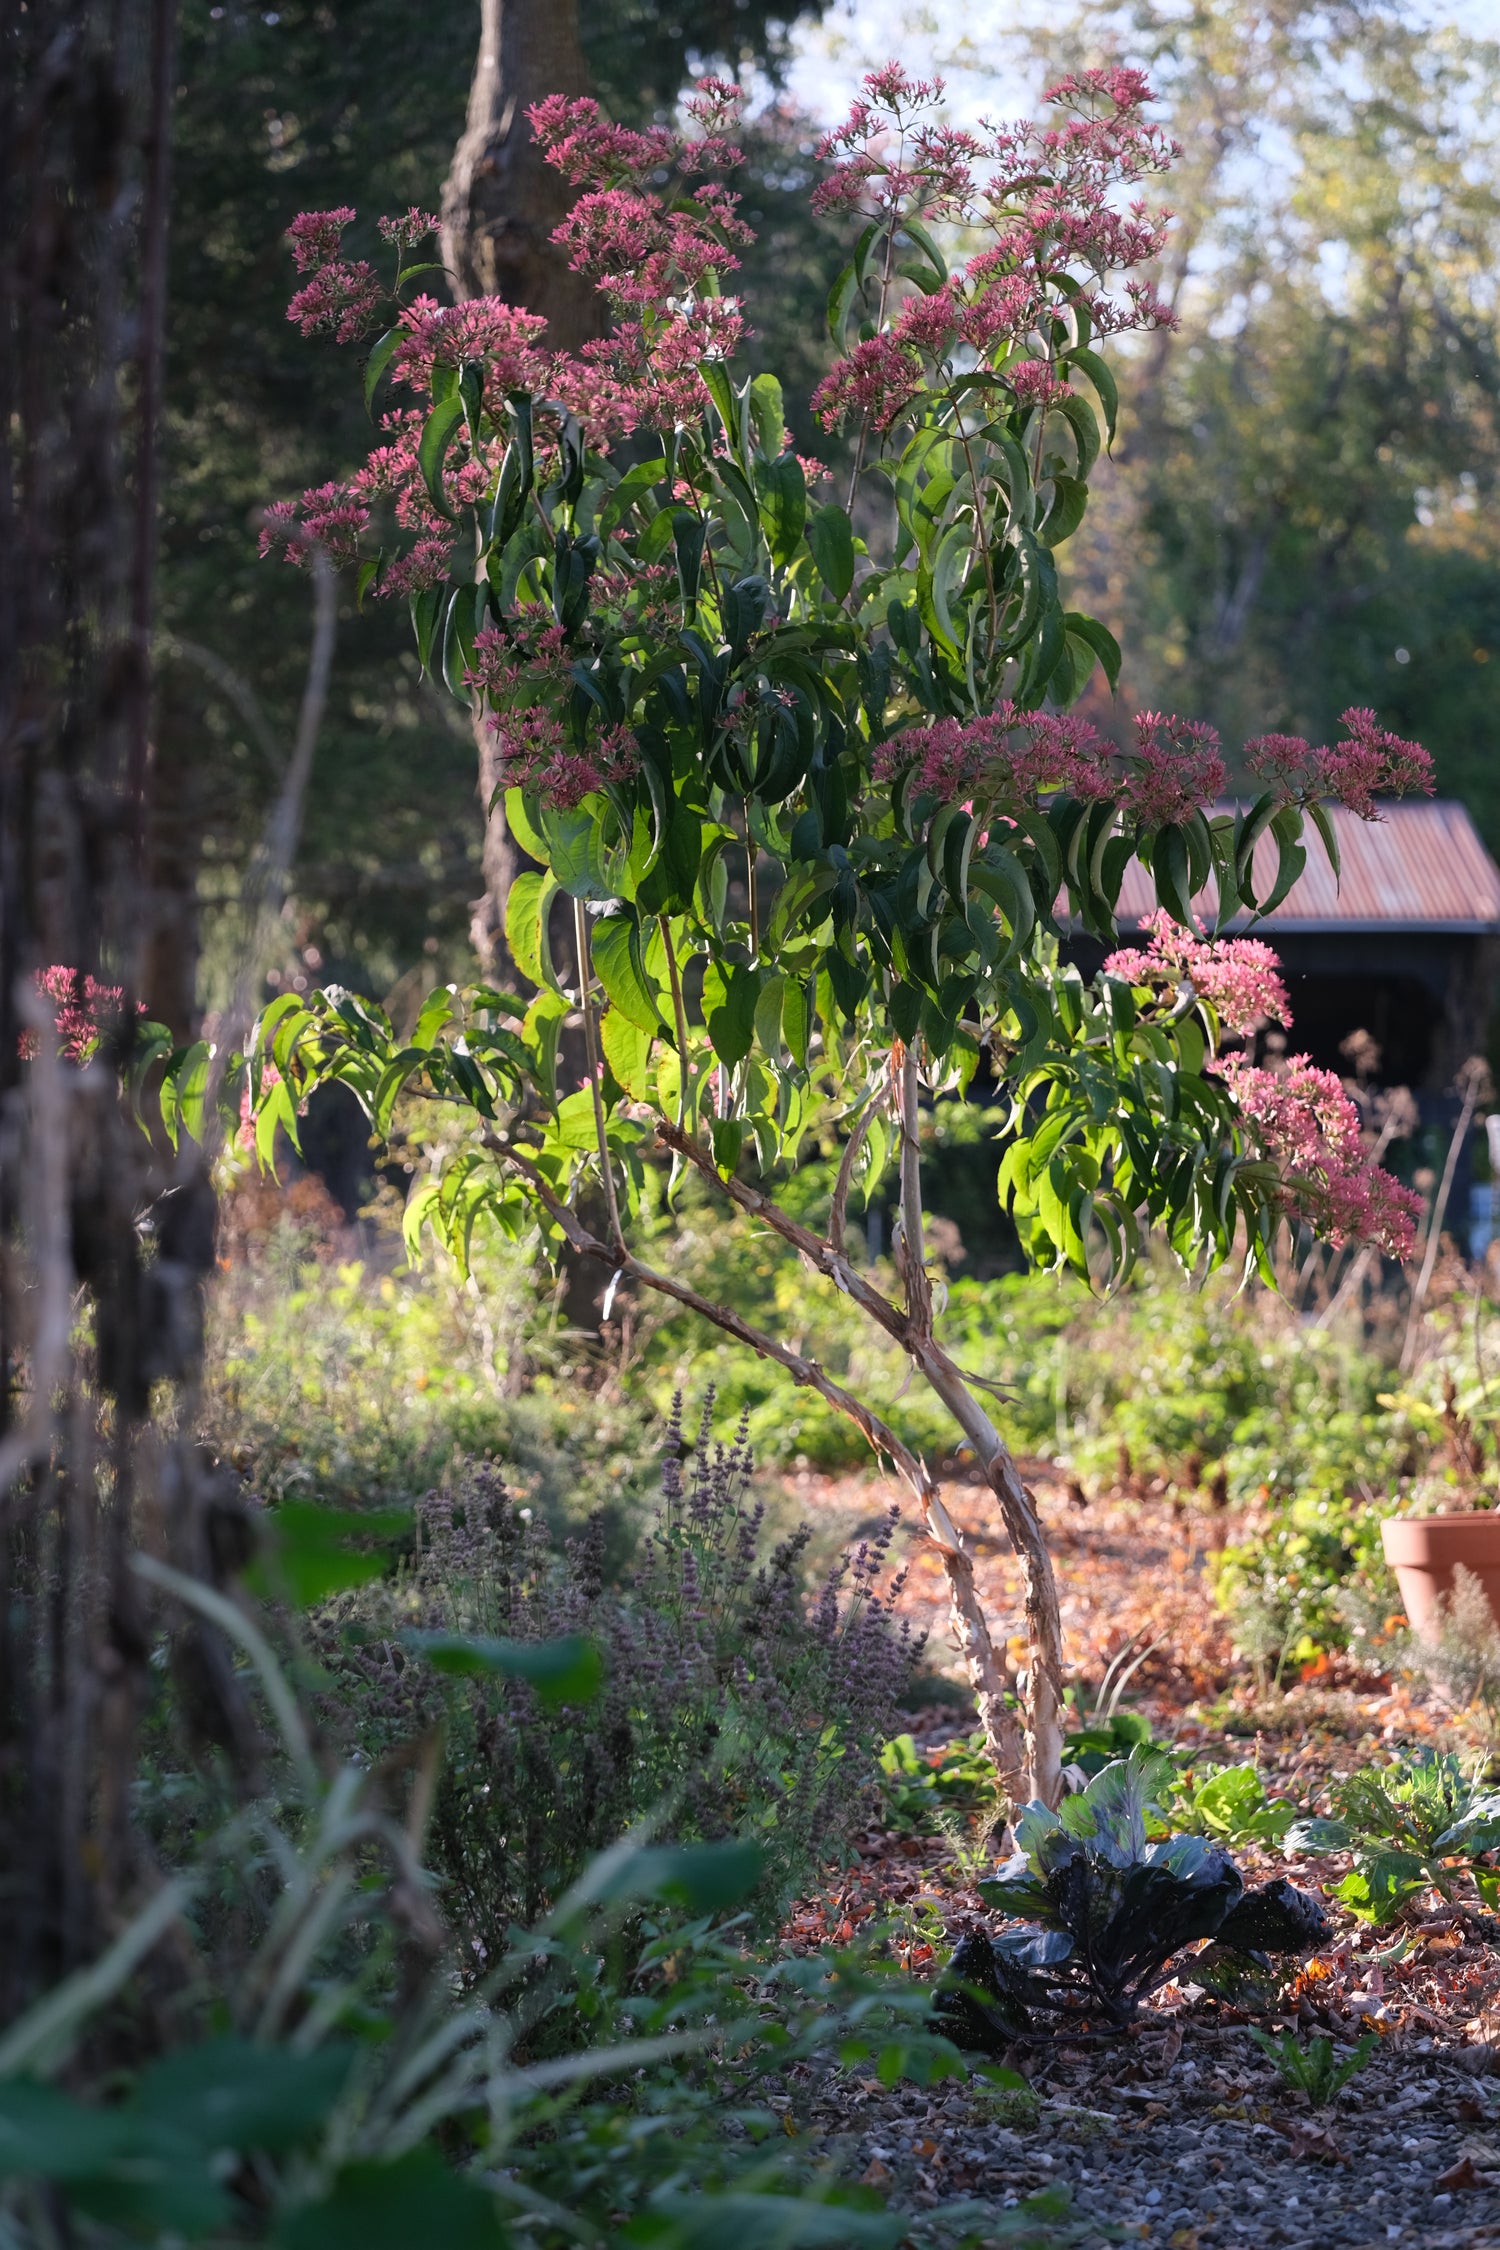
[[591, 1046], [818, 1253], [913, 1235]]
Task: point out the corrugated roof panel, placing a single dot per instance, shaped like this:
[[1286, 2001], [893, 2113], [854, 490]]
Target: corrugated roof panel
[[1421, 866]]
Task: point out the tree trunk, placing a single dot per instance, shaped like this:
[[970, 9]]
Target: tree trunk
[[501, 203]]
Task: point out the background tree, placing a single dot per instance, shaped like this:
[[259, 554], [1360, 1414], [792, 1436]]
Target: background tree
[[1303, 510]]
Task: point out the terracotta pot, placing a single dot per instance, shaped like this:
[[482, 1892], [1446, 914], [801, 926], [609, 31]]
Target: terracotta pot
[[1423, 1551]]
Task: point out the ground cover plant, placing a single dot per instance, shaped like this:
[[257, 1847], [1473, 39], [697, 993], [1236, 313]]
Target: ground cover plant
[[1420, 1823], [809, 804]]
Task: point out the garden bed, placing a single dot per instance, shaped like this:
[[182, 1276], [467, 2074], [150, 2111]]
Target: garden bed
[[1181, 2132]]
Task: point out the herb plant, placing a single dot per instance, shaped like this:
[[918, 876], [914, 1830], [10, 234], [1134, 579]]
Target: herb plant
[[729, 1702], [1425, 1820], [1312, 2069], [809, 810]]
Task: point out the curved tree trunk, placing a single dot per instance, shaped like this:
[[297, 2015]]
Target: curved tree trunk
[[501, 203]]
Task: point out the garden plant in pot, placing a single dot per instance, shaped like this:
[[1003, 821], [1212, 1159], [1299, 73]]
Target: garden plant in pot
[[811, 810], [1436, 1555]]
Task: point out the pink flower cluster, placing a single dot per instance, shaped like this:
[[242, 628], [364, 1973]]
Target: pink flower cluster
[[82, 1009], [1301, 1117], [328, 516], [1044, 199], [1371, 762], [656, 253], [1174, 768], [341, 296], [536, 755], [1239, 977]]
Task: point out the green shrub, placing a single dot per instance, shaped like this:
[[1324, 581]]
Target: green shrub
[[731, 1699]]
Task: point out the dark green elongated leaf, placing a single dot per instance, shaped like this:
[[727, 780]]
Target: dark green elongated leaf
[[416, 2201], [768, 415], [615, 945], [688, 534], [1070, 499], [703, 1878], [471, 391], [315, 1552], [426, 607], [1286, 827], [437, 433], [633, 486], [382, 352], [1323, 822], [924, 241], [1105, 388], [783, 507], [568, 1670], [1170, 872], [1100, 639], [731, 1025], [230, 2093], [831, 538], [46, 2134], [840, 298]]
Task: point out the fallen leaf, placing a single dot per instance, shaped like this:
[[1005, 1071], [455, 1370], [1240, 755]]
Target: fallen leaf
[[1470, 2112], [1309, 2140], [875, 2174], [1459, 2175]]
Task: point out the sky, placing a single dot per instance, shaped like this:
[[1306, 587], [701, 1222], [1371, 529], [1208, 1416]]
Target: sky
[[973, 48]]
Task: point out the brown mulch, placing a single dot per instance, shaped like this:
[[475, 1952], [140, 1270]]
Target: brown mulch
[[1179, 2133]]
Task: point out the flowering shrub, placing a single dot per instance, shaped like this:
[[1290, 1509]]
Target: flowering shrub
[[83, 1010], [820, 805], [729, 1703]]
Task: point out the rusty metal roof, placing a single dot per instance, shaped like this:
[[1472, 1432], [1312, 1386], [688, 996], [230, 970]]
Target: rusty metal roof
[[1421, 866]]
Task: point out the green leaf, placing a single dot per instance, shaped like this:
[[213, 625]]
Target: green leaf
[[831, 538], [416, 2201], [316, 1552], [627, 1050], [783, 510], [531, 895], [688, 534], [567, 1670], [731, 1025], [840, 297], [47, 2135], [231, 2094], [1105, 388], [1100, 639], [703, 1878], [768, 415], [382, 352], [615, 944], [436, 435]]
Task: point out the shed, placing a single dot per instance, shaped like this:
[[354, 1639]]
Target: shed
[[1405, 945]]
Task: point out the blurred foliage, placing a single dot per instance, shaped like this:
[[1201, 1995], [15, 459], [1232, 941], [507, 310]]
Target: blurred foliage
[[1304, 516]]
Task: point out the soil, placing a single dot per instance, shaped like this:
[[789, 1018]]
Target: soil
[[1181, 2133]]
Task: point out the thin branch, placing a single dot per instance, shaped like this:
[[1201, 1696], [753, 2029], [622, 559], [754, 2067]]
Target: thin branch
[[802, 1370], [1472, 1079], [591, 1049], [818, 1253], [913, 1242]]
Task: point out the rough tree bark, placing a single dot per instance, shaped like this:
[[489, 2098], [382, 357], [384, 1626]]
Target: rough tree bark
[[501, 203], [93, 1217]]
